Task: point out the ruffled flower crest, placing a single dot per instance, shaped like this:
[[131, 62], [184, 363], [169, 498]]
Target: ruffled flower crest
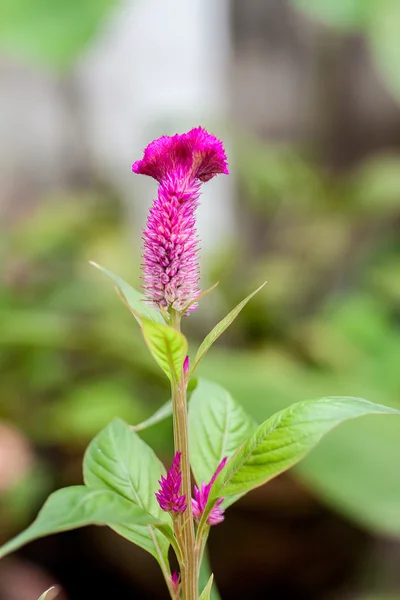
[[194, 155]]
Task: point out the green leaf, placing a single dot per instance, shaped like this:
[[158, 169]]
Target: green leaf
[[117, 459], [168, 347], [348, 15], [133, 299], [207, 590], [284, 439], [217, 426], [50, 594], [345, 471], [164, 412], [220, 328], [53, 32], [204, 576], [79, 506]]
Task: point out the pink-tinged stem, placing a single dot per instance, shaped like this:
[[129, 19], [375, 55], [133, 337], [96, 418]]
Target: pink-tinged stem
[[185, 522], [180, 164]]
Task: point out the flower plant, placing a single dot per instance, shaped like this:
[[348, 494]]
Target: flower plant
[[125, 485]]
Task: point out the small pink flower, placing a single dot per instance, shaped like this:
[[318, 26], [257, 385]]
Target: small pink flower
[[168, 496], [199, 502], [175, 583], [186, 365], [180, 164]]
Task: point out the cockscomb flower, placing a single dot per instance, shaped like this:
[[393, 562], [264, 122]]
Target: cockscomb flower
[[199, 502], [180, 164], [168, 496]]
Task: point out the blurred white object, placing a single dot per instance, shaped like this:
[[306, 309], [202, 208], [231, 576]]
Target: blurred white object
[[160, 67], [38, 149]]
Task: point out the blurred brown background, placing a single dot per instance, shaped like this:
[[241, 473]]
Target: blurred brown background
[[307, 96]]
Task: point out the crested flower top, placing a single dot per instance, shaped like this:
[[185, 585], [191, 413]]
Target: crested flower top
[[193, 155], [180, 164]]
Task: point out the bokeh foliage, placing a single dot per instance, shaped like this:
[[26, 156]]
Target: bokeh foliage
[[324, 324], [327, 319], [377, 20], [53, 32], [71, 358]]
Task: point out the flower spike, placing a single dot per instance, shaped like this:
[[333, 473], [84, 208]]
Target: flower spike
[[180, 164], [168, 496], [175, 580], [199, 502]]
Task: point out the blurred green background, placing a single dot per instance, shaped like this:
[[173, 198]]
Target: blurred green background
[[317, 213]]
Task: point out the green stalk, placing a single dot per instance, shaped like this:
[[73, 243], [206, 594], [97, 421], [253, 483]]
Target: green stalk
[[189, 574]]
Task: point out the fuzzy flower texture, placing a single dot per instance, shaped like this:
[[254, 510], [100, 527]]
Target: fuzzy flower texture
[[169, 499], [168, 496], [180, 164], [199, 502]]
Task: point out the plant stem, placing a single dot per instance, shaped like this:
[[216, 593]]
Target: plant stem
[[189, 575]]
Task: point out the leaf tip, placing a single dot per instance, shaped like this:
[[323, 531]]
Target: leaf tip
[[51, 593]]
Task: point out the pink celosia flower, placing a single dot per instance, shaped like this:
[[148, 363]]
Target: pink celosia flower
[[200, 500], [168, 496], [180, 164]]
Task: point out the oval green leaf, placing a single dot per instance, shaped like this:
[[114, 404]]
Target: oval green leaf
[[220, 328], [284, 439], [168, 347], [217, 427], [78, 506], [117, 459]]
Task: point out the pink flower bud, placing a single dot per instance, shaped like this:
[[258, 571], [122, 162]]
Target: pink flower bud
[[168, 496], [201, 495], [175, 583], [186, 365]]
